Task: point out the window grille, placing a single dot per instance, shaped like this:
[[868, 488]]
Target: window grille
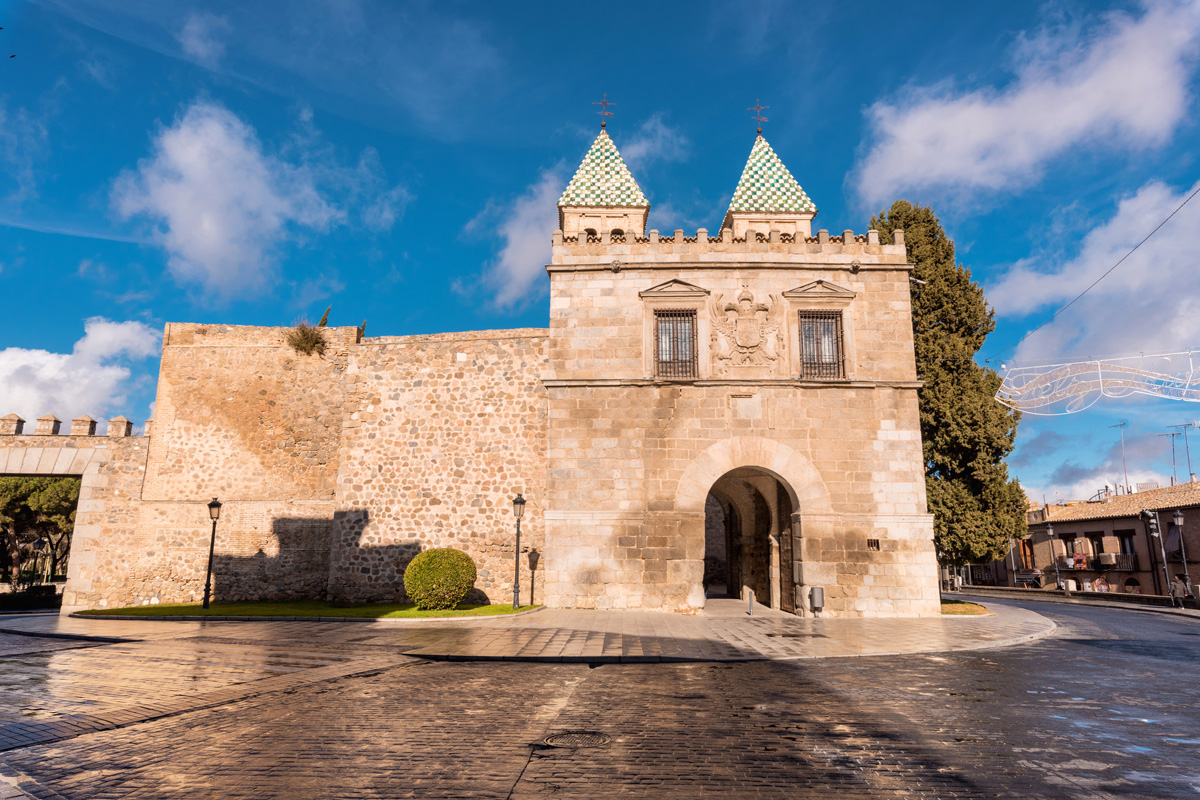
[[873, 544], [675, 336], [821, 351]]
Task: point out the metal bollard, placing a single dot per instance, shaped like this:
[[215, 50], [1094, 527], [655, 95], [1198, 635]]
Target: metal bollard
[[750, 598], [817, 597]]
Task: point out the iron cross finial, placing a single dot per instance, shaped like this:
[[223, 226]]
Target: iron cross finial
[[604, 112], [758, 108]]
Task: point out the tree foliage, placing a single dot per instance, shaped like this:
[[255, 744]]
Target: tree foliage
[[966, 434], [33, 509]]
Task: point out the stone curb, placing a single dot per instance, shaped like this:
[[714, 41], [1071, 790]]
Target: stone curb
[[412, 621], [1052, 598], [460, 657]]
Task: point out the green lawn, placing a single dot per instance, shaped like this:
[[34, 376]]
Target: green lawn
[[305, 608], [961, 608]]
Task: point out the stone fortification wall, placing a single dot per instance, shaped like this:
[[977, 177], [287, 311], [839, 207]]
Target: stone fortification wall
[[241, 416], [449, 429], [333, 470]]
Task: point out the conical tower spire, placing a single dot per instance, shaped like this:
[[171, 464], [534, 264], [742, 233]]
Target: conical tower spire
[[603, 195], [768, 197]]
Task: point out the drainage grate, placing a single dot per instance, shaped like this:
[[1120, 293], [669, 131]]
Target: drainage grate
[[577, 739]]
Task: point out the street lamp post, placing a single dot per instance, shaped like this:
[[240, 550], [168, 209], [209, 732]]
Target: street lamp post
[[39, 548], [1053, 556], [518, 510], [214, 511], [1187, 576]]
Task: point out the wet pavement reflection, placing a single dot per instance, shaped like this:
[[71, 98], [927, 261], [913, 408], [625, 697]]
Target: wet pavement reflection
[[1102, 708]]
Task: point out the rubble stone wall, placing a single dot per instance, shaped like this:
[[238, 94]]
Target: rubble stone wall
[[449, 429]]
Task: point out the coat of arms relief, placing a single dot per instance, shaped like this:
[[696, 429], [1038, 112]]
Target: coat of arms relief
[[746, 335]]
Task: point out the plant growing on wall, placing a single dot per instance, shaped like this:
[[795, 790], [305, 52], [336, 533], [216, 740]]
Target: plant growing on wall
[[965, 433], [306, 339]]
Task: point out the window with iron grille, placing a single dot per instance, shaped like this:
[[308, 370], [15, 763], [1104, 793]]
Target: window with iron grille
[[821, 351], [675, 338]]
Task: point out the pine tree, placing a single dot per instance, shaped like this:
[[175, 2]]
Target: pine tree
[[966, 434]]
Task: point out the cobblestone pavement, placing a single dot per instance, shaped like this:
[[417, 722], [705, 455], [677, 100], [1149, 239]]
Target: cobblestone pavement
[[1103, 708]]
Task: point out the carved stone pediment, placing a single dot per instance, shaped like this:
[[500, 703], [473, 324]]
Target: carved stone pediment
[[820, 289], [746, 335], [672, 289]]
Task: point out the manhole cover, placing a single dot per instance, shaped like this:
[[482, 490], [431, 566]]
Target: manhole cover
[[577, 739]]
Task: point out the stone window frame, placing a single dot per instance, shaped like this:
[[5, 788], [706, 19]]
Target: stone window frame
[[674, 295], [820, 295]]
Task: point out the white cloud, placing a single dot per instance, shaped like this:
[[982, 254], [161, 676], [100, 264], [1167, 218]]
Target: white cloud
[[526, 228], [94, 378], [1088, 485], [1124, 85], [199, 38], [655, 141], [1150, 304], [223, 206]]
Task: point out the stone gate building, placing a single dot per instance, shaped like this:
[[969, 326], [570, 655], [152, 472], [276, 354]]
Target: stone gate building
[[705, 415]]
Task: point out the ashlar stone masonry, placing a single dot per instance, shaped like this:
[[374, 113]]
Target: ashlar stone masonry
[[705, 415]]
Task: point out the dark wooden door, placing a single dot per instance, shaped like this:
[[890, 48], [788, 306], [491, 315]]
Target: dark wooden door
[[787, 567]]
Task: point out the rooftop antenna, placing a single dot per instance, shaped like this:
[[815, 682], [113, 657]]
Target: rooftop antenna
[[758, 108], [604, 112], [1174, 479], [1186, 449], [1122, 425]]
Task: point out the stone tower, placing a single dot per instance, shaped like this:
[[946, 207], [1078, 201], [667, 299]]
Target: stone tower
[[603, 198], [734, 413]]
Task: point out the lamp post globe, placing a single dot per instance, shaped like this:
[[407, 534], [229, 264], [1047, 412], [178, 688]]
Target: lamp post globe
[[518, 512], [214, 511]]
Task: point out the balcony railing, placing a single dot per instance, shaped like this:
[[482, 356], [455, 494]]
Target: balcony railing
[[1105, 562], [1125, 562]]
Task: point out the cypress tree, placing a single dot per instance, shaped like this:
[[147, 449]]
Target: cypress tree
[[965, 433]]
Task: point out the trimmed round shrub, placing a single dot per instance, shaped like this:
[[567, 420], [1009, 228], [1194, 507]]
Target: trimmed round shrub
[[439, 578]]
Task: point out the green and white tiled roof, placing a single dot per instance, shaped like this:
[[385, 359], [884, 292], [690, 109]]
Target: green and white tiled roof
[[767, 185], [603, 179]]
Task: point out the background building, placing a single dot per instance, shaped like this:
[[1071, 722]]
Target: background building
[[1105, 544]]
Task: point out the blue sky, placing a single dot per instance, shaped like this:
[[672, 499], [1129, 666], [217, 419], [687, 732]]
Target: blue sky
[[251, 163]]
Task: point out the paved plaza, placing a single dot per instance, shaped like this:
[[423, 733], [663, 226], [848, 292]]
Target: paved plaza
[[1098, 706]]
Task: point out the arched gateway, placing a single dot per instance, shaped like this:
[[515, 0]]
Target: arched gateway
[[749, 527], [751, 524]]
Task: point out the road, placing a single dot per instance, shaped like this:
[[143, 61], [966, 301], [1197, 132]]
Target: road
[[1104, 708]]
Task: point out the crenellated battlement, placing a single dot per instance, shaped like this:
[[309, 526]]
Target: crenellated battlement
[[50, 425], [756, 246]]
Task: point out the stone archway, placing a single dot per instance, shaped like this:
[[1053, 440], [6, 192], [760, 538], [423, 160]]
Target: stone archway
[[777, 458], [750, 491]]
